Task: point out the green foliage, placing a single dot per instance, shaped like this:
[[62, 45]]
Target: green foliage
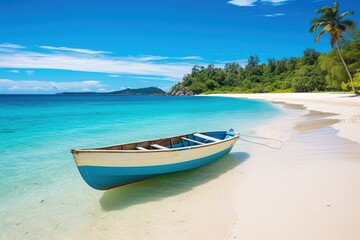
[[308, 79], [332, 22], [357, 79], [330, 63], [312, 72], [253, 61], [198, 87], [310, 57], [346, 86]]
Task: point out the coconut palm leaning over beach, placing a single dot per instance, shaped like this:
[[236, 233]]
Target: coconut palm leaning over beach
[[332, 22]]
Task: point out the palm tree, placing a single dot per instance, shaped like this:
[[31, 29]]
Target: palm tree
[[332, 22]]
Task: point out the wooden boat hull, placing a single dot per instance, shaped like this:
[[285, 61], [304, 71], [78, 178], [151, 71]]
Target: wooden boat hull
[[105, 169]]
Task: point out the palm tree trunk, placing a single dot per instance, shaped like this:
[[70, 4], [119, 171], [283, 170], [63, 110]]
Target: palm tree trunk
[[346, 68]]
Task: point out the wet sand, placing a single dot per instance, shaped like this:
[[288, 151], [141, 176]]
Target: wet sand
[[310, 189], [343, 107]]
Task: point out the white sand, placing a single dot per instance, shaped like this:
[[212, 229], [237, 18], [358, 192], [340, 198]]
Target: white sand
[[346, 106], [310, 189]]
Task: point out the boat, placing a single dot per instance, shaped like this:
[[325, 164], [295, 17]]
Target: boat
[[112, 166]]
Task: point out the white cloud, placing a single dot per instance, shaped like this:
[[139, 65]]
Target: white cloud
[[114, 75], [251, 3], [147, 58], [78, 50], [190, 58], [92, 63], [11, 45], [243, 3], [101, 90], [144, 67], [275, 15], [275, 2], [14, 88], [48, 86]]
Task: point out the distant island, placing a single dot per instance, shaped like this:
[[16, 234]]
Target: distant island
[[128, 91]]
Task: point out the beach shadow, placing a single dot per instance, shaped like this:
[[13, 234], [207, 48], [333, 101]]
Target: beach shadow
[[168, 185]]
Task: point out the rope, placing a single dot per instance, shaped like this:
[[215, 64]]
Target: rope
[[263, 144]]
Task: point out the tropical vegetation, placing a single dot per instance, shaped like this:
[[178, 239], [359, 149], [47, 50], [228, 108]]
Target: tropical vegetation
[[333, 23], [336, 70]]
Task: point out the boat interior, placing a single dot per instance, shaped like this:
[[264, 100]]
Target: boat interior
[[188, 140]]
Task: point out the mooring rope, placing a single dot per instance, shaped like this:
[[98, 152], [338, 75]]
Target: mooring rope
[[263, 144]]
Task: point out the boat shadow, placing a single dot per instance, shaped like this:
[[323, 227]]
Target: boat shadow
[[167, 185]]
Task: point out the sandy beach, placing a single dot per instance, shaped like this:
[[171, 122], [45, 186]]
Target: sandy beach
[[341, 107], [310, 189]]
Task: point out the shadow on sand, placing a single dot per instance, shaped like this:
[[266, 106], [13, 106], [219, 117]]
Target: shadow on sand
[[168, 184]]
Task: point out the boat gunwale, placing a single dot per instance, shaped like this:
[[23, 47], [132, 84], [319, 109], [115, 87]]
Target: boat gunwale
[[97, 150]]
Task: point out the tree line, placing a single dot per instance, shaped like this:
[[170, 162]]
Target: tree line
[[311, 72]]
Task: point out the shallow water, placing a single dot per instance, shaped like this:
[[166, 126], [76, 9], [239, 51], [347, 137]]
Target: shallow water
[[42, 194]]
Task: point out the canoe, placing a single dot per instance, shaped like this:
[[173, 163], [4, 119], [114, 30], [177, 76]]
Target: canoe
[[112, 166]]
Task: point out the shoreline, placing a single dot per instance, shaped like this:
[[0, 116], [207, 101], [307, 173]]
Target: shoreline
[[345, 107], [310, 189]]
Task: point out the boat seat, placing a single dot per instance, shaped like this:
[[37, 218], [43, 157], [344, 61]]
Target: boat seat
[[199, 135], [193, 141], [141, 148], [158, 146]]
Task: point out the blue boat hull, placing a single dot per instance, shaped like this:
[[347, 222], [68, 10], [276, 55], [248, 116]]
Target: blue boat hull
[[103, 178]]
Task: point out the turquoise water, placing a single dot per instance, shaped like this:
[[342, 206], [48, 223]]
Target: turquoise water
[[37, 132]]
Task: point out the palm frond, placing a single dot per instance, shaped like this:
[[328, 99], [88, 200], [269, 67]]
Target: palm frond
[[320, 34], [322, 10], [316, 26], [331, 22], [315, 20], [349, 24], [341, 27], [335, 9], [346, 13]]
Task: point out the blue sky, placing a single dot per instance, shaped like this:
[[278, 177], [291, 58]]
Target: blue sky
[[49, 46]]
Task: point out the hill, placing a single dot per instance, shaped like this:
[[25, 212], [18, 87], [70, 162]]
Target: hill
[[140, 91], [127, 91]]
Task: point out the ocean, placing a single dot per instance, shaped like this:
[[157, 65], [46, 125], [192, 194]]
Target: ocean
[[42, 195]]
